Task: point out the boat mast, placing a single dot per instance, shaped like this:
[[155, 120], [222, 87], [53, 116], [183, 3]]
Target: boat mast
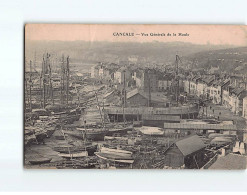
[[62, 79], [40, 85], [30, 86], [177, 80], [149, 91], [43, 78], [67, 82], [50, 82], [102, 121], [124, 98]]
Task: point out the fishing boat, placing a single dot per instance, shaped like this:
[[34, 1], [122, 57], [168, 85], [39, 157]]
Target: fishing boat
[[96, 135], [74, 155], [40, 160], [118, 152], [119, 130], [221, 140], [114, 158], [89, 147], [59, 135], [30, 139], [40, 136], [80, 134], [152, 131]]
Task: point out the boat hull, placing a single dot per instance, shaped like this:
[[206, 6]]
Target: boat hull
[[74, 155], [114, 158], [41, 161]]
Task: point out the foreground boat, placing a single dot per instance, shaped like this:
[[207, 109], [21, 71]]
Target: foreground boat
[[118, 152], [90, 148], [114, 158], [40, 160], [74, 155], [119, 130]]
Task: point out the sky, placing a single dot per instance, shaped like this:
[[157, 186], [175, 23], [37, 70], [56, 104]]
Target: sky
[[198, 34]]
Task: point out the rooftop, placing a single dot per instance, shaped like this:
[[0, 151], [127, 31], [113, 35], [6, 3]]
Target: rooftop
[[230, 162], [190, 145]]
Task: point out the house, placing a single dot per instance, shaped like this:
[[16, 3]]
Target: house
[[185, 153], [137, 77], [244, 114], [226, 99], [214, 91], [137, 97], [236, 100], [165, 82], [95, 71], [149, 80], [193, 85], [146, 79], [122, 74], [101, 71]]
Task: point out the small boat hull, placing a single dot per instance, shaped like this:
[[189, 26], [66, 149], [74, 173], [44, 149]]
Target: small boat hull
[[114, 158], [40, 161], [74, 155], [118, 152]]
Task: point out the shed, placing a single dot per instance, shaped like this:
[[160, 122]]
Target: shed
[[185, 152]]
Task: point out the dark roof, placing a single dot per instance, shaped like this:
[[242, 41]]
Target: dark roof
[[231, 162], [238, 91], [190, 145], [208, 79], [196, 78], [133, 93]]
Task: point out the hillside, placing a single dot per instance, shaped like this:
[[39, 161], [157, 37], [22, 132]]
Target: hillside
[[231, 60], [80, 51]]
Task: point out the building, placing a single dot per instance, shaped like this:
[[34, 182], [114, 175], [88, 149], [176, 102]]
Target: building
[[185, 153], [230, 162], [164, 82], [95, 71], [193, 85], [137, 98], [236, 100], [215, 92], [245, 107], [121, 74], [149, 81]]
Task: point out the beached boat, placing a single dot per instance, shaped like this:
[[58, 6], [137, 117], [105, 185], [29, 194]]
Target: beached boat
[[119, 130], [30, 139], [114, 158], [152, 131], [91, 134], [74, 155], [221, 140], [118, 152], [40, 160], [90, 148]]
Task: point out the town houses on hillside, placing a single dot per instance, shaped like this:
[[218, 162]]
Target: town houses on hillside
[[229, 91]]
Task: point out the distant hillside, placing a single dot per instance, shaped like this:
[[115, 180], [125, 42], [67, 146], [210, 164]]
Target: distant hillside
[[231, 60], [80, 51]]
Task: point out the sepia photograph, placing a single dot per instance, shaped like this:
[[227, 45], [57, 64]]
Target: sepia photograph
[[133, 96]]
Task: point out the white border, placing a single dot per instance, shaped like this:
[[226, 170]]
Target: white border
[[13, 15]]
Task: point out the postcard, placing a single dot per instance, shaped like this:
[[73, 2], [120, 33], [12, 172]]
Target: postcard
[[119, 96]]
